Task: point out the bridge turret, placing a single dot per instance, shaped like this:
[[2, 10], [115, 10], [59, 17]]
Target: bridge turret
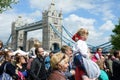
[[18, 37], [60, 14], [52, 6], [51, 16], [19, 22]]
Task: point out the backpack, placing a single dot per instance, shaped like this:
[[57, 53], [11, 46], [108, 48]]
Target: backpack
[[4, 75], [78, 61]]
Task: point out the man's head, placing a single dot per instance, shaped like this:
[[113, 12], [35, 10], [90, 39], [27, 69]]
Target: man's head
[[117, 53], [99, 50], [39, 51], [67, 50]]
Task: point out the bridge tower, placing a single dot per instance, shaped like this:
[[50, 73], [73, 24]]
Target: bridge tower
[[51, 41], [18, 37]]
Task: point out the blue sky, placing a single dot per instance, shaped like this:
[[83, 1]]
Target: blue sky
[[98, 16]]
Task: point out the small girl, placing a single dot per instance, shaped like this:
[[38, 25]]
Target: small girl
[[82, 57]]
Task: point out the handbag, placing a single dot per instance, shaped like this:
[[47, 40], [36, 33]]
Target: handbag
[[5, 76], [78, 61], [92, 69]]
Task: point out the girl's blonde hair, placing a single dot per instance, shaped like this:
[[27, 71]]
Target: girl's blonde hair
[[82, 32], [37, 44], [100, 63]]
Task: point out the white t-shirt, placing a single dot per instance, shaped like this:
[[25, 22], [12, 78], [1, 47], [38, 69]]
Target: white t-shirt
[[81, 46]]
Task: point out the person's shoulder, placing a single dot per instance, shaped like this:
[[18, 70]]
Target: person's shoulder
[[56, 75], [116, 61]]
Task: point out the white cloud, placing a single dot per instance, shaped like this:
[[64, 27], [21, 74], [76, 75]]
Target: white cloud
[[78, 22], [39, 4], [107, 12], [67, 6], [104, 9], [5, 27], [107, 26], [6, 20], [36, 14]]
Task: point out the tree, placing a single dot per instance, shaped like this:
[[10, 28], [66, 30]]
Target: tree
[[115, 38], [6, 4]]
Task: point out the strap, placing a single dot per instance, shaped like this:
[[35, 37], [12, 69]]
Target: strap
[[1, 58], [5, 67], [39, 68]]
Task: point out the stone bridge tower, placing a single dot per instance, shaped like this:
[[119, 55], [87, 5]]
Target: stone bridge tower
[[51, 41], [18, 37]]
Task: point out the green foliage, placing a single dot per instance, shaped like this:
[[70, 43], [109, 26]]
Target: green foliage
[[6, 4], [115, 38]]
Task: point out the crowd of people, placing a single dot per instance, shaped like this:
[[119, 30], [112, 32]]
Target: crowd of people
[[76, 63]]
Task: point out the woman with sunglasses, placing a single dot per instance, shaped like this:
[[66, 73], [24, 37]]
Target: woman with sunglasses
[[10, 68], [59, 65]]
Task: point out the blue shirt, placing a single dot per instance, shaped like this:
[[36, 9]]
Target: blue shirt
[[103, 75]]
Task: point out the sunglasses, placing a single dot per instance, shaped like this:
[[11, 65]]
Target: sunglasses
[[61, 59]]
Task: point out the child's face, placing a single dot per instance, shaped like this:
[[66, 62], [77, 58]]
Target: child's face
[[85, 37]]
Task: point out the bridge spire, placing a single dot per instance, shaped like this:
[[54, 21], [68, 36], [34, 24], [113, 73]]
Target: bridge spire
[[52, 6], [53, 2]]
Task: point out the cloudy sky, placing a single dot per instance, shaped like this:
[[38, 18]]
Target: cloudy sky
[[98, 16]]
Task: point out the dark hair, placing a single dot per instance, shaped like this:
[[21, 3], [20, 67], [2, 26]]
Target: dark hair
[[99, 48], [36, 50], [1, 43], [110, 56], [6, 53], [1, 52], [18, 58], [116, 52]]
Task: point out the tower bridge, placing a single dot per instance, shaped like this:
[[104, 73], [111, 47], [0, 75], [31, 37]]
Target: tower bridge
[[49, 39]]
